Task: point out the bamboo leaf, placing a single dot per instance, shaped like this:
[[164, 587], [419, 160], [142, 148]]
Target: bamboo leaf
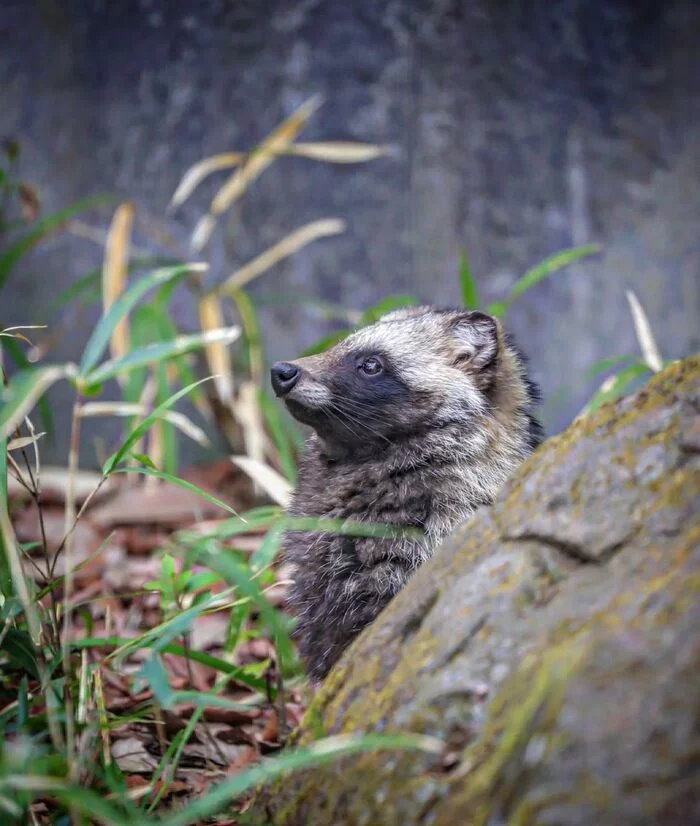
[[199, 171], [24, 390], [645, 337], [24, 441], [176, 480], [614, 386], [337, 151], [178, 420], [88, 290], [76, 798], [41, 229], [272, 413], [606, 364], [386, 305], [236, 573], [143, 427], [123, 305], [251, 335], [249, 416], [256, 164], [550, 265], [234, 672], [211, 317], [281, 250], [326, 342], [322, 752], [470, 291], [16, 353], [272, 482], [498, 308], [114, 273], [269, 547], [158, 352]]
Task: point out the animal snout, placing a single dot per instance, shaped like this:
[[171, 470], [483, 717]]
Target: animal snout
[[284, 377]]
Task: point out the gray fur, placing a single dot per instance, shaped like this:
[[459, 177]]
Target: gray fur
[[422, 445]]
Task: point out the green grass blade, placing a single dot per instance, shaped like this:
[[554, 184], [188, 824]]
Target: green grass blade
[[42, 228], [349, 527], [14, 350], [123, 305], [617, 386], [234, 672], [23, 392], [133, 437], [19, 648], [88, 803], [498, 308], [326, 342], [470, 291], [386, 305], [319, 753], [175, 480], [272, 413], [550, 265], [152, 353], [247, 522], [13, 576], [607, 364], [236, 573], [163, 634], [89, 288], [155, 315], [5, 561], [269, 547]]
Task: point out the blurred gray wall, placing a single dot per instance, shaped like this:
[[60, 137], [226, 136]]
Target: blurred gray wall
[[520, 128]]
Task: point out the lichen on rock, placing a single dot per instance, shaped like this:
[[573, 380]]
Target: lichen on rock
[[552, 644]]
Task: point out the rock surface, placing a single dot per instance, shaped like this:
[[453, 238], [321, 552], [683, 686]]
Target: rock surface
[[553, 645]]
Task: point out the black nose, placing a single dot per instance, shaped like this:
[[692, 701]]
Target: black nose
[[284, 377]]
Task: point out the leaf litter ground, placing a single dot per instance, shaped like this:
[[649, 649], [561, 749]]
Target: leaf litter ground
[[118, 544]]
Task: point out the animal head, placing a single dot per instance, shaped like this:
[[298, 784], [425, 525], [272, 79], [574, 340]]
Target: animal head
[[414, 370]]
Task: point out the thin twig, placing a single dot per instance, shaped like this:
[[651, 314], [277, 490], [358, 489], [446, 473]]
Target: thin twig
[[35, 481], [70, 519], [82, 510]]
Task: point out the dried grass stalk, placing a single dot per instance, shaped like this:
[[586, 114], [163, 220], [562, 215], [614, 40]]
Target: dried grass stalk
[[258, 161], [282, 249], [115, 270], [211, 317]]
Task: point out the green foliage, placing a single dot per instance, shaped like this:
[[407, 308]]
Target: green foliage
[[470, 290], [194, 565], [199, 570], [11, 257], [550, 266]]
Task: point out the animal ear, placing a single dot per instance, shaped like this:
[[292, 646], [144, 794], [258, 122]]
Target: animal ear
[[476, 337]]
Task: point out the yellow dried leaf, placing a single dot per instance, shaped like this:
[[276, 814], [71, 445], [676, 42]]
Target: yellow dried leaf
[[247, 412], [272, 482], [114, 272], [645, 337], [175, 418], [24, 441], [258, 161], [218, 356], [337, 151], [282, 249], [197, 173]]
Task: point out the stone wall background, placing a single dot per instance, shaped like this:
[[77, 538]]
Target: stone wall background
[[519, 128]]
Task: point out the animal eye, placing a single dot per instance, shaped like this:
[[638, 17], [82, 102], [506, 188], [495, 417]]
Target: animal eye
[[371, 366]]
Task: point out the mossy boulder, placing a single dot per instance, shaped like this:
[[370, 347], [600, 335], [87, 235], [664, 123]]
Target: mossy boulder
[[552, 644]]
